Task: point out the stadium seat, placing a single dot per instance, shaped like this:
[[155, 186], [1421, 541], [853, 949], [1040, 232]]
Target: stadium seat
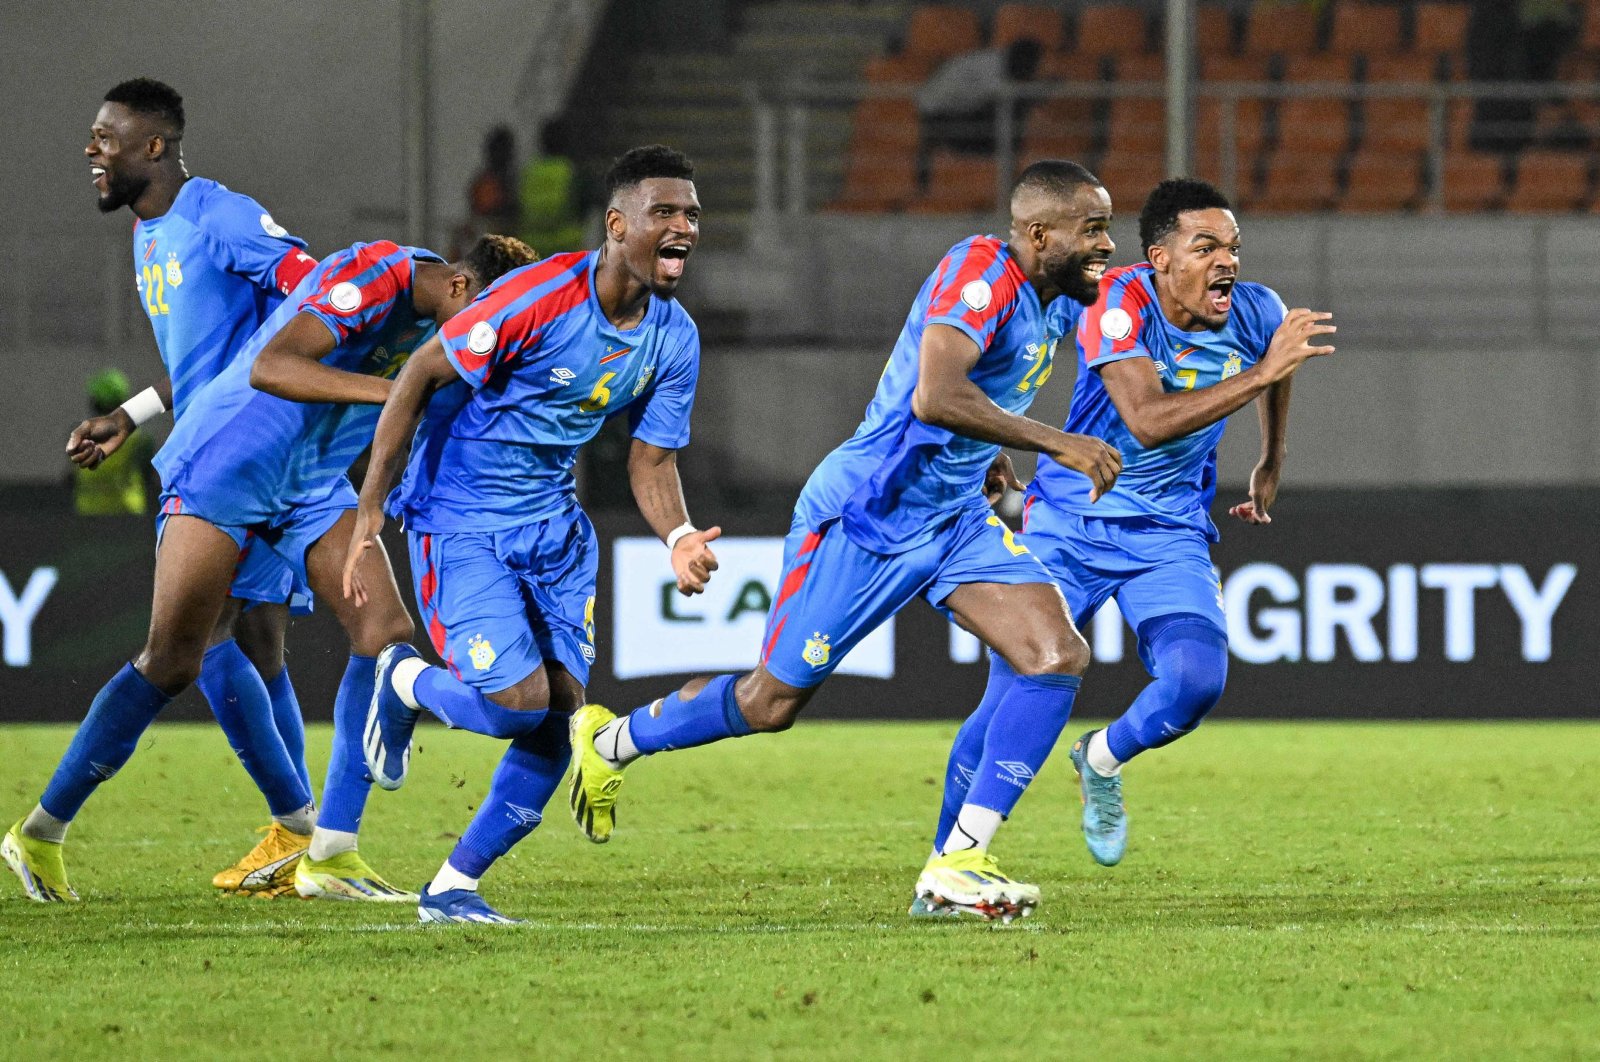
[[1296, 184], [1137, 127], [880, 172], [1111, 29], [1280, 29], [1134, 68], [1440, 28], [1550, 181], [1014, 22], [1589, 33], [1316, 126], [1059, 129], [1129, 178], [1213, 31], [1235, 68], [1381, 180], [897, 70], [1365, 29], [1473, 181], [939, 31], [1396, 124], [1249, 136], [957, 184], [1315, 68]]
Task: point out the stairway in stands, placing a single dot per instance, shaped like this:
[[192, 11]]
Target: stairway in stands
[[697, 98]]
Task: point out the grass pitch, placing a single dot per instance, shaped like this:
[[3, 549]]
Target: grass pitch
[[1326, 891]]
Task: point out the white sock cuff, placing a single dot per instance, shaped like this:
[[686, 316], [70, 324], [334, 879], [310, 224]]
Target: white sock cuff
[[325, 844], [1099, 756], [450, 878], [404, 679]]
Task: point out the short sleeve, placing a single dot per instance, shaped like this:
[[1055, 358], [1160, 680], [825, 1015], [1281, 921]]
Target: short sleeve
[[663, 418], [1110, 330], [974, 291], [508, 320], [359, 288], [245, 240]]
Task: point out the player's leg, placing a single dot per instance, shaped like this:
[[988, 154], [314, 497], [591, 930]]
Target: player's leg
[[261, 630], [334, 867], [524, 781], [194, 565], [831, 594], [1175, 606]]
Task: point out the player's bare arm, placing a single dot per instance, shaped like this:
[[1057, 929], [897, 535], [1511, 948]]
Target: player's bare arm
[[1156, 415], [424, 373], [1273, 409], [97, 438], [1000, 478], [947, 398], [290, 366], [658, 491]]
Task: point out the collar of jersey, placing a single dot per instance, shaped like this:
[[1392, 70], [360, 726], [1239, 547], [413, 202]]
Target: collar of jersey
[[606, 327]]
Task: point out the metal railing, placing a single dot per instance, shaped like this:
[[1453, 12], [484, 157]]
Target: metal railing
[[785, 181]]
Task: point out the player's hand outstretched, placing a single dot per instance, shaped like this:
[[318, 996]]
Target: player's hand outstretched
[[693, 562], [1263, 492], [98, 438], [1000, 477], [1295, 341], [1095, 458], [363, 536]]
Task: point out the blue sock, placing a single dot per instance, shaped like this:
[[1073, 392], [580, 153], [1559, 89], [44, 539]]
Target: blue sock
[[459, 705], [291, 724], [710, 715], [344, 794], [1026, 724], [122, 711], [528, 774], [239, 700], [968, 747], [1189, 659]]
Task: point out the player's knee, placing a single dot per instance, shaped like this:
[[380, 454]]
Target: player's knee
[[768, 714], [1193, 659], [532, 694], [173, 667], [373, 632], [1064, 653]]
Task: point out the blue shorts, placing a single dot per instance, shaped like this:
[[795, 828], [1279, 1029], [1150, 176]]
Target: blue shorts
[[498, 604], [833, 593], [1153, 570], [272, 557]]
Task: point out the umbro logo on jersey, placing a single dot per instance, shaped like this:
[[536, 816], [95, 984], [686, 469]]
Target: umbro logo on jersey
[[562, 377]]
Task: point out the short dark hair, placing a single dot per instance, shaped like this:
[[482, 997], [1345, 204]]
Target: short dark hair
[[146, 95], [492, 257], [642, 163], [1172, 197], [1056, 177]]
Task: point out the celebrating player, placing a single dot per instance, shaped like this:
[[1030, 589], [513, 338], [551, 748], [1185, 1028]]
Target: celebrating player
[[1170, 349], [504, 559], [899, 511], [210, 265]]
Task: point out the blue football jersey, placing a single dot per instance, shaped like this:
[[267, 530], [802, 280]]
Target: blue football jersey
[[209, 271], [897, 482], [242, 456], [1174, 482], [545, 369]]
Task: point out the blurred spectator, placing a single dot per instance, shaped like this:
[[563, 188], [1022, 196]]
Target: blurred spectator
[[492, 193], [1548, 29], [551, 219], [119, 486], [958, 104]]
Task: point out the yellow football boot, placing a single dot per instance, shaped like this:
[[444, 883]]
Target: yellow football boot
[[38, 864], [345, 876], [268, 869], [592, 793]]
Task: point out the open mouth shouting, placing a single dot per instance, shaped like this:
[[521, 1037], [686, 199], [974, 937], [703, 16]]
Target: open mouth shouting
[[97, 176], [672, 256], [1219, 296]]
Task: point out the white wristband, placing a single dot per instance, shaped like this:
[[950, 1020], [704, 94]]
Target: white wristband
[[677, 533], [144, 405]]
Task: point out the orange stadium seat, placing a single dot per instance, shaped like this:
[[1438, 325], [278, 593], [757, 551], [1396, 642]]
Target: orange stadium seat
[[1129, 178], [1396, 124], [1014, 22], [1382, 181], [1213, 31], [1314, 126], [1440, 28], [957, 184], [881, 166], [1059, 129], [1296, 184], [1136, 127], [1589, 35], [1148, 67], [897, 70], [1312, 68], [1280, 29], [1111, 29], [1550, 181], [1365, 29], [1249, 137], [1235, 68], [1473, 181], [939, 31]]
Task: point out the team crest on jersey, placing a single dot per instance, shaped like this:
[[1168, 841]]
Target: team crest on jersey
[[272, 228], [816, 650], [1115, 324], [345, 297], [1233, 365], [977, 294], [174, 271], [644, 380], [481, 651]]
